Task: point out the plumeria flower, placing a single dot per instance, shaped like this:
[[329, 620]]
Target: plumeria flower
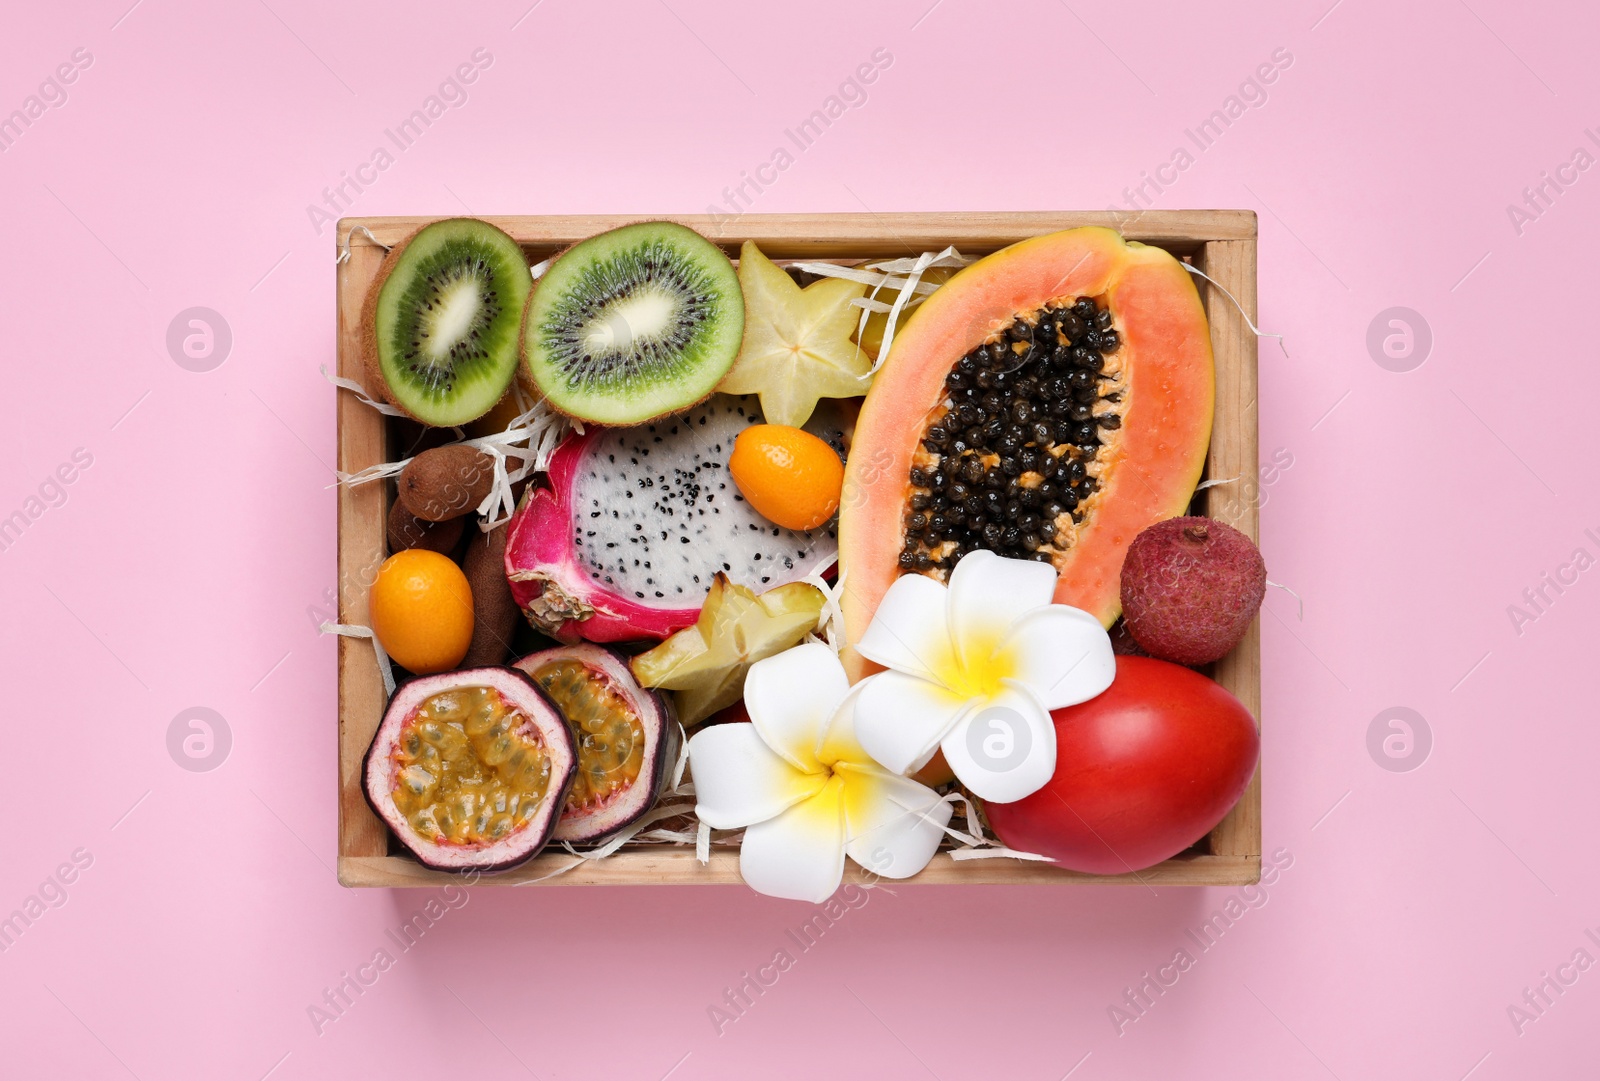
[[974, 670], [799, 782]]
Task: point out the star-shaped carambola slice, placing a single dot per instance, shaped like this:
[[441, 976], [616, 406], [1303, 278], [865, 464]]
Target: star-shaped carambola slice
[[706, 663], [797, 345]]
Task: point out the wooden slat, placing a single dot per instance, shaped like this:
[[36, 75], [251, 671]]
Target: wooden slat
[[362, 443], [791, 236], [1234, 453], [1221, 242], [661, 866]]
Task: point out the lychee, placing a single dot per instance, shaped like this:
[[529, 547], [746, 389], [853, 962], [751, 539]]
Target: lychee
[[1190, 587]]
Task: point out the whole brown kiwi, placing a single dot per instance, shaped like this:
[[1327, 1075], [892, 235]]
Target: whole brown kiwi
[[494, 610], [406, 530], [445, 482]]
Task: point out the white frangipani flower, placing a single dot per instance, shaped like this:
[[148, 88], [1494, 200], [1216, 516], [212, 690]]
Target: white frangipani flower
[[806, 792], [975, 669]]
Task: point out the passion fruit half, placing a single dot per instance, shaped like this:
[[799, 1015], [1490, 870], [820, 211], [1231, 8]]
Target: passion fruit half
[[470, 769], [627, 737]]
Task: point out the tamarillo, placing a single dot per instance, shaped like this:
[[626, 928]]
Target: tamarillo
[[494, 612]]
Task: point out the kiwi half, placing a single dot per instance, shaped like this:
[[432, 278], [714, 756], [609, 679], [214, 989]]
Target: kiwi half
[[633, 324], [442, 318]]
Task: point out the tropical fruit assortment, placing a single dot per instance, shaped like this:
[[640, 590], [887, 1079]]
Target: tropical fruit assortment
[[849, 578]]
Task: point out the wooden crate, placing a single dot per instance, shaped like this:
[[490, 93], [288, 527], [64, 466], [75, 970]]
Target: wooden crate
[[1222, 243]]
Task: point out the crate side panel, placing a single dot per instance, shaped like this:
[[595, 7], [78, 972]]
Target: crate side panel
[[361, 443], [864, 235], [679, 867], [1234, 452]]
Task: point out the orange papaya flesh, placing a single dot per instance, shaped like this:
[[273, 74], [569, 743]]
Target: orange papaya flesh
[[1151, 415]]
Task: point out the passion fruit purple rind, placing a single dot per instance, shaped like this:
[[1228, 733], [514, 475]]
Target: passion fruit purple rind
[[627, 738], [470, 769]]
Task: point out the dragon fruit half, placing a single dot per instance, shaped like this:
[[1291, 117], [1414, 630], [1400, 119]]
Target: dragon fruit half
[[634, 522]]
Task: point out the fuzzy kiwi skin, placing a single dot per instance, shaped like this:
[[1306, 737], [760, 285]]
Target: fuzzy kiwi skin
[[407, 531], [525, 367], [445, 482], [377, 385], [494, 610]]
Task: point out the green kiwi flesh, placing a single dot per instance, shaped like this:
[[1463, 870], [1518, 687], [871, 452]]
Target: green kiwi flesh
[[633, 324], [447, 318]]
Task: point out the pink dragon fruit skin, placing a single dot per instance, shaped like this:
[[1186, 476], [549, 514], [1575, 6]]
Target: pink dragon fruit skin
[[552, 590], [623, 541]]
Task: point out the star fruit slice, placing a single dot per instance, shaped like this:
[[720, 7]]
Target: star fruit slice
[[797, 345], [706, 664]]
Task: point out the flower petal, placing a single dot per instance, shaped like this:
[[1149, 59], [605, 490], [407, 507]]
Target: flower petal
[[1004, 747], [739, 780], [791, 696], [839, 742], [900, 719], [1061, 654], [987, 595], [908, 632], [893, 825], [800, 853]]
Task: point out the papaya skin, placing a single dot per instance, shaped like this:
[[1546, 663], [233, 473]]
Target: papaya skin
[[1151, 469]]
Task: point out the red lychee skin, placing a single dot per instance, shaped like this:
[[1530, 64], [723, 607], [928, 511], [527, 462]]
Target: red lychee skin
[[1190, 587]]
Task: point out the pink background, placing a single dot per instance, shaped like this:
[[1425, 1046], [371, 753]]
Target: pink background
[[190, 562]]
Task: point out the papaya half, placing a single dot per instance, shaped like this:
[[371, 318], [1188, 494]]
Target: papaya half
[[1048, 402]]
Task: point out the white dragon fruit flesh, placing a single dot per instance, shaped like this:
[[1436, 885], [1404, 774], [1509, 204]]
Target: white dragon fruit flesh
[[623, 541]]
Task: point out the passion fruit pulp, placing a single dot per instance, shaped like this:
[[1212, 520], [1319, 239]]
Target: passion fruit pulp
[[443, 788], [627, 738], [470, 769]]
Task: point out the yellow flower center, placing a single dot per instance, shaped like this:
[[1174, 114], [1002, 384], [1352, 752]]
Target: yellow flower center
[[978, 675]]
